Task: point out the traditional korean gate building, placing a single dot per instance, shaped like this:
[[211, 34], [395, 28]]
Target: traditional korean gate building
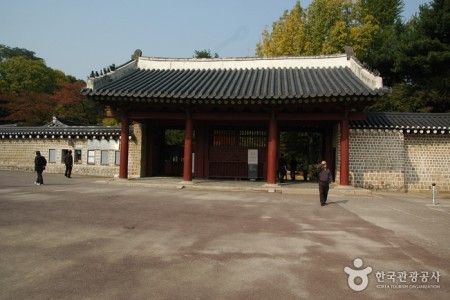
[[228, 106]]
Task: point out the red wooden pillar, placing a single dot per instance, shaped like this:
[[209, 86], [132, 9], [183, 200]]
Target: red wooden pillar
[[187, 164], [201, 150], [123, 168], [344, 145], [329, 157], [272, 151]]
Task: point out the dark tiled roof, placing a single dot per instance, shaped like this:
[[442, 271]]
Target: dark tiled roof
[[408, 122], [57, 129], [180, 80], [280, 83], [57, 132]]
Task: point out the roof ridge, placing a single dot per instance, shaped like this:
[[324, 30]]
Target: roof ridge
[[149, 63], [242, 58]]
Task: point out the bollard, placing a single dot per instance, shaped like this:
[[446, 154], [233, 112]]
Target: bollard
[[434, 192]]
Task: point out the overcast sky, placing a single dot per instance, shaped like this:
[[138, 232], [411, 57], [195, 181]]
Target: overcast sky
[[79, 36]]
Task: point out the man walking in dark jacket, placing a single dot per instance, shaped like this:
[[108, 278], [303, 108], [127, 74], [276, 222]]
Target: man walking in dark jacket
[[39, 166], [325, 179], [68, 161]]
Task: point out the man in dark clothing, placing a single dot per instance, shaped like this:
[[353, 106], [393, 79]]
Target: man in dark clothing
[[293, 167], [68, 161], [325, 179], [305, 169], [282, 169], [39, 166]]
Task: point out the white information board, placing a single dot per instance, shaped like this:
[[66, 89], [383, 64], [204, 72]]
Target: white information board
[[253, 164], [252, 156]]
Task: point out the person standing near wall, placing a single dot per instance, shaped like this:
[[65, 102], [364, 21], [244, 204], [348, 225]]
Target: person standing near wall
[[293, 167], [325, 179], [39, 166], [305, 169], [282, 169], [68, 161]]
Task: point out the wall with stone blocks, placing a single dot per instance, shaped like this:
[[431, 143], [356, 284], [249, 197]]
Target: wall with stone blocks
[[427, 161], [392, 160], [136, 163], [377, 160], [19, 154]]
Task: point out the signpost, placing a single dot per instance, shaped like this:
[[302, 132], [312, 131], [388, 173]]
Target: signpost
[[434, 192]]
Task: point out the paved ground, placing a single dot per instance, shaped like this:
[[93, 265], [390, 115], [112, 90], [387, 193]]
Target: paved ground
[[95, 238]]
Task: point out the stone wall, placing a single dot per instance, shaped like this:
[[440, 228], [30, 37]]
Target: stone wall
[[136, 161], [393, 160], [427, 161], [377, 159], [18, 155]]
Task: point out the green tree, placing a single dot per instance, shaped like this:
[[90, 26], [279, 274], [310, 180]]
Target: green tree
[[60, 77], [110, 122], [205, 54], [385, 12], [327, 20], [19, 74], [31, 93], [333, 24], [8, 52], [174, 137], [381, 53], [421, 63]]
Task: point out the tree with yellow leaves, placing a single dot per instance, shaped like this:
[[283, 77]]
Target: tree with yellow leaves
[[325, 27], [288, 35]]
